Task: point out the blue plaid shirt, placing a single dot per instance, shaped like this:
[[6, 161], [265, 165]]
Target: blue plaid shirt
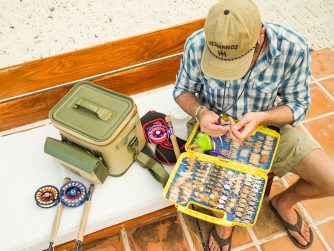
[[282, 70]]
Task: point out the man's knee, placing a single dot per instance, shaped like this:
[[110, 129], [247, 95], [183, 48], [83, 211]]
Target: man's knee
[[317, 168]]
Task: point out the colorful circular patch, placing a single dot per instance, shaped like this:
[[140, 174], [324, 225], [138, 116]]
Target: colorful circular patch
[[47, 196], [73, 194], [158, 133]]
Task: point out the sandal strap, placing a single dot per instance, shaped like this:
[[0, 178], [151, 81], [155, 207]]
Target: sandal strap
[[295, 227], [221, 242]]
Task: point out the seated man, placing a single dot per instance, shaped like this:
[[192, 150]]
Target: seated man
[[237, 66]]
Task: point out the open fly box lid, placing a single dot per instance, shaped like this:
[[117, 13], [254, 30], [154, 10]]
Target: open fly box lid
[[92, 113], [253, 147]]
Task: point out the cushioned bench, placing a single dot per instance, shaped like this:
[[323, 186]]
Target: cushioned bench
[[27, 93]]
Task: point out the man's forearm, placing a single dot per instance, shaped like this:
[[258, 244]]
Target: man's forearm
[[188, 102], [281, 115]]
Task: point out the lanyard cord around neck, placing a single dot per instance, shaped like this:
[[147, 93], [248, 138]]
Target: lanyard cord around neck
[[243, 89]]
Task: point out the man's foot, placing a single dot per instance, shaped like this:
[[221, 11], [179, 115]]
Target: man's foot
[[298, 230], [220, 238]]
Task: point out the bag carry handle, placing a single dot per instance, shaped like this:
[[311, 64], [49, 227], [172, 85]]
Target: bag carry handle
[[220, 221], [101, 112]]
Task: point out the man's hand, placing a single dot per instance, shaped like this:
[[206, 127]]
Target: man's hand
[[208, 122], [245, 127]]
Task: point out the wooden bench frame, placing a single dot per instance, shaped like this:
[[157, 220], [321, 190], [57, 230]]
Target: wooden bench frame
[[129, 66]]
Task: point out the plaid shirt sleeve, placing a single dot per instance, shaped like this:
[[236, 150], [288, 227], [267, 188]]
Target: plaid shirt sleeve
[[188, 77], [295, 91]]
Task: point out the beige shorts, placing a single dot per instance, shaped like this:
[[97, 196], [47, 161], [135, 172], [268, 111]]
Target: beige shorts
[[293, 147]]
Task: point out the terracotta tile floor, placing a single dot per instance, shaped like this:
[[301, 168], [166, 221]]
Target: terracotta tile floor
[[176, 231], [327, 229], [164, 233], [329, 85], [322, 63]]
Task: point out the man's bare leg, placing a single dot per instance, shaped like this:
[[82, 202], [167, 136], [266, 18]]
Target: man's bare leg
[[316, 173]]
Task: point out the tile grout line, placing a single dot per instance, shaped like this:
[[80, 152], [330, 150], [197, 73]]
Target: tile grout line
[[323, 78], [254, 238], [309, 219], [243, 247], [324, 220], [324, 90], [273, 237], [321, 237], [262, 241], [125, 240], [317, 117], [309, 134], [186, 232]]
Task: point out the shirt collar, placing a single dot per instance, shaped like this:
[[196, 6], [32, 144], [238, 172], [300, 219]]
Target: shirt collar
[[272, 42]]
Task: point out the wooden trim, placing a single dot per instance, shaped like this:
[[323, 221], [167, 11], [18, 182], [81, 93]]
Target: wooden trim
[[36, 107], [52, 71], [110, 231]]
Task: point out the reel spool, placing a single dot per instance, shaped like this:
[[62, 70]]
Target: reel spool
[[158, 133], [73, 194], [47, 196]]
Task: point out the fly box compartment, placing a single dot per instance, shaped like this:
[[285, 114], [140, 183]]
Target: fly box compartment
[[222, 175], [258, 151], [101, 122], [222, 186]]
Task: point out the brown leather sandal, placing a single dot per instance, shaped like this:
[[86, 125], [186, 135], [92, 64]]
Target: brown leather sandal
[[294, 227], [222, 242]]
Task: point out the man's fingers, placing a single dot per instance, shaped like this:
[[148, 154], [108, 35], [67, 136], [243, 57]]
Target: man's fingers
[[215, 130], [233, 136], [236, 135], [240, 124], [232, 122], [248, 130]]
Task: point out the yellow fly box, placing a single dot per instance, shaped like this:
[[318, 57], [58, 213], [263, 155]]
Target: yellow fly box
[[223, 175]]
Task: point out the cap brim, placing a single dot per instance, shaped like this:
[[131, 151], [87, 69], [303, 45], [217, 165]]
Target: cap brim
[[225, 70]]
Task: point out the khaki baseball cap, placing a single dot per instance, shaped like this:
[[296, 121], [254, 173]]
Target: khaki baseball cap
[[231, 29]]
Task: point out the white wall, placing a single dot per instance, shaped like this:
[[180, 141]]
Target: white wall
[[33, 29]]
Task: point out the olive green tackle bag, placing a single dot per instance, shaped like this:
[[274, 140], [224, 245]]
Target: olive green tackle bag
[[101, 134]]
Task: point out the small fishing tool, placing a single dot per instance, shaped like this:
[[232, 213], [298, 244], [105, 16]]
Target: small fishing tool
[[84, 218], [205, 248], [214, 153], [173, 137], [223, 122], [56, 221]]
